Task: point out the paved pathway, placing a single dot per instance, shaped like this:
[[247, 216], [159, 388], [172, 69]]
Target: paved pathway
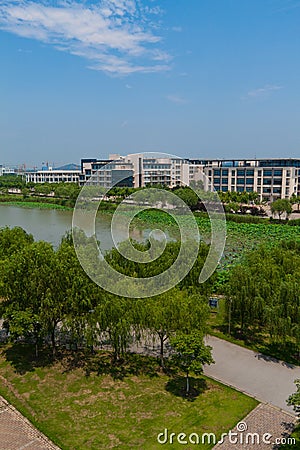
[[265, 378], [17, 433], [271, 426]]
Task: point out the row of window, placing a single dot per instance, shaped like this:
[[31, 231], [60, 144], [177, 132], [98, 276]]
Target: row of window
[[248, 172]]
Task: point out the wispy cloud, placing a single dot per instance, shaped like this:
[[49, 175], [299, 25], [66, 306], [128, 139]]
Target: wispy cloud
[[262, 91], [116, 36], [178, 99]]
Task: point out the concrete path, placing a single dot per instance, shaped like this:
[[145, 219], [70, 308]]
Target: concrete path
[[17, 433], [265, 378]]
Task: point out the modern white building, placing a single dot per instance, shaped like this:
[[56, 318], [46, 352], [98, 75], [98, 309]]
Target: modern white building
[[4, 170], [136, 170], [270, 178], [67, 174]]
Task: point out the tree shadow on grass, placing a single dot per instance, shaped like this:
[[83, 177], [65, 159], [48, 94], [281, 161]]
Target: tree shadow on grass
[[177, 386], [104, 363], [22, 357]]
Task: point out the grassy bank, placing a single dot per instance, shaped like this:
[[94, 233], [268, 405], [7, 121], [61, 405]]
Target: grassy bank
[[82, 409], [37, 205]]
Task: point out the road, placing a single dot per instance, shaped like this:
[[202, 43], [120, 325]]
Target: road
[[265, 378]]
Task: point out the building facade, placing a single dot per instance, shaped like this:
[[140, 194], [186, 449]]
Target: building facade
[[135, 170], [66, 174], [4, 170], [270, 178]]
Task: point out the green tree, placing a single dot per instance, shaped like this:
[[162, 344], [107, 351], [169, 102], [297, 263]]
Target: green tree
[[190, 354], [294, 399], [13, 240], [281, 206], [295, 199], [189, 197], [28, 281], [173, 311]]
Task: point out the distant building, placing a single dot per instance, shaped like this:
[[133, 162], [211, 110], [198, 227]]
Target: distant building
[[135, 170], [4, 170], [68, 174], [270, 178]]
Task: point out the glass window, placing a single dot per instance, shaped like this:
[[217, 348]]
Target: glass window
[[250, 172], [267, 180], [224, 188], [240, 173], [249, 180], [267, 173], [225, 172], [224, 180], [217, 172], [240, 181]]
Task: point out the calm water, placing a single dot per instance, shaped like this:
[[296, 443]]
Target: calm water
[[50, 225]]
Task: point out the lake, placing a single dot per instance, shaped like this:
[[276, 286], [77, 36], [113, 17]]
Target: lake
[[51, 224]]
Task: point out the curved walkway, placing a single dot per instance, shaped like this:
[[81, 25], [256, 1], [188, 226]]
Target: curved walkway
[[265, 378]]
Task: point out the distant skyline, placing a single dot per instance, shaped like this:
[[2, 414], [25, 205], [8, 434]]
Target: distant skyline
[[195, 78]]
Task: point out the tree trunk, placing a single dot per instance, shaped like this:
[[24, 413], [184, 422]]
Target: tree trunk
[[53, 340], [161, 354], [187, 383]]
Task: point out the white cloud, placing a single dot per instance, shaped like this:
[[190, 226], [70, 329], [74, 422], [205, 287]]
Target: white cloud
[[174, 98], [177, 29], [117, 36], [262, 91]]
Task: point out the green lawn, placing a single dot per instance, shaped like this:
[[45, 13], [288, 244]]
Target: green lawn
[[82, 409]]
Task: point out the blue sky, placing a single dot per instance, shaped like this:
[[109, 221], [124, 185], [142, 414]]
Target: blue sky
[[196, 78]]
